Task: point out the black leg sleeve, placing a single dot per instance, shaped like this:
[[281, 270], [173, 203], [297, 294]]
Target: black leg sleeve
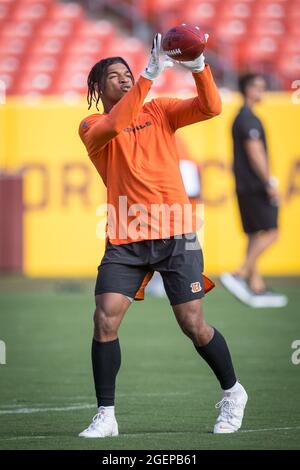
[[217, 356], [106, 360]]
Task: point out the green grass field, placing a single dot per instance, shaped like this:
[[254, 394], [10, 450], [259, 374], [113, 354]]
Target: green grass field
[[165, 394]]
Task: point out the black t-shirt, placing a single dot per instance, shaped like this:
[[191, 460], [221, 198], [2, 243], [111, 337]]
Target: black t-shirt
[[246, 126]]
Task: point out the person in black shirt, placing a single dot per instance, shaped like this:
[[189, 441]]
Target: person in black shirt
[[257, 196]]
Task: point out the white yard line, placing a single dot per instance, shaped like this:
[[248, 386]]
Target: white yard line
[[16, 411], [39, 408], [19, 438], [270, 429]]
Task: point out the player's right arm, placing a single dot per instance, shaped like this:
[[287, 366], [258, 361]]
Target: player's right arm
[[206, 105], [258, 160], [250, 132]]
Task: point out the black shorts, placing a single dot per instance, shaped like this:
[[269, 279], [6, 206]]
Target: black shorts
[[179, 260], [257, 212]]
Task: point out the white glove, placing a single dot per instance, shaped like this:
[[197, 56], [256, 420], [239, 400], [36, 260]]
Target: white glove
[[156, 66], [196, 65]]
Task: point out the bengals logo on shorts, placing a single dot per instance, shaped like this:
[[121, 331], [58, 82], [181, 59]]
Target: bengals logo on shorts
[[196, 287]]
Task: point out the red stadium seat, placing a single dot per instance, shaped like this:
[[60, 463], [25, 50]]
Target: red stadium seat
[[28, 2], [5, 10], [293, 26], [9, 63], [80, 63], [9, 78], [71, 82], [21, 29], [33, 11], [100, 28], [270, 9], [87, 45], [35, 82], [284, 3], [203, 13], [129, 44], [265, 46], [133, 51], [66, 11], [234, 9], [93, 39], [42, 63], [290, 45], [58, 28], [48, 45], [11, 45], [259, 51], [293, 9], [231, 30], [271, 27], [164, 5]]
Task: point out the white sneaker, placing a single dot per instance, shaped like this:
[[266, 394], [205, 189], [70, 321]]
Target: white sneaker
[[232, 408], [103, 425], [268, 299], [236, 286]]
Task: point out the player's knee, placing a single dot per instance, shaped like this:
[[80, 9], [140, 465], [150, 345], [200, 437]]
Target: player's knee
[[104, 325], [271, 235], [274, 235], [195, 329], [193, 322]]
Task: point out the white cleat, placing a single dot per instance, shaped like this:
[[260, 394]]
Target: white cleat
[[268, 299], [237, 286], [231, 414], [103, 425], [240, 289]]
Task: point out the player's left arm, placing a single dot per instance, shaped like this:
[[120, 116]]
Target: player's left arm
[[205, 105]]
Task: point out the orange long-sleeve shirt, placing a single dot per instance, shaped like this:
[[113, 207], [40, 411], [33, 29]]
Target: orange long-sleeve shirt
[[133, 149]]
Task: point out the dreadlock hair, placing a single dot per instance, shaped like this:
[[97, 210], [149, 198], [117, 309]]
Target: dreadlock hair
[[97, 77], [247, 79]]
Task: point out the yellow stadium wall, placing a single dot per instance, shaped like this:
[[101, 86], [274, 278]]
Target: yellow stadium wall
[[62, 188]]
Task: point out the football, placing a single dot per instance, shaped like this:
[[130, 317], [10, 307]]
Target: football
[[185, 42]]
